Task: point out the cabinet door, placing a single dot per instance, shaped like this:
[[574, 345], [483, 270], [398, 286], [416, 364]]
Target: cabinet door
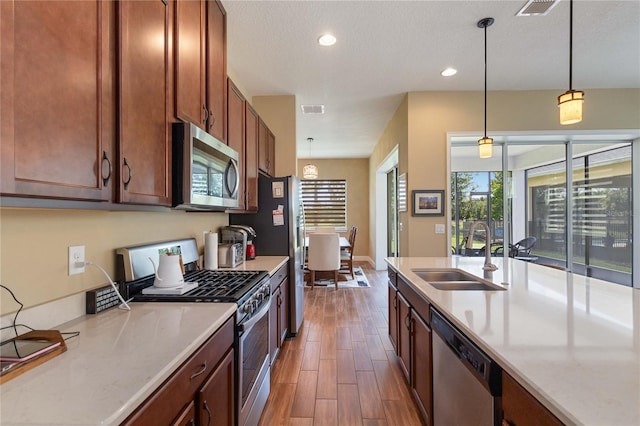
[[216, 69], [274, 317], [190, 62], [404, 335], [144, 139], [187, 417], [251, 157], [235, 133], [216, 397], [263, 146], [57, 99], [284, 311], [520, 408], [421, 367], [393, 317], [271, 159]]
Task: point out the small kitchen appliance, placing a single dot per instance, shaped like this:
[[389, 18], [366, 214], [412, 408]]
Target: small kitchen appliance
[[230, 255], [250, 290], [244, 233], [168, 274]]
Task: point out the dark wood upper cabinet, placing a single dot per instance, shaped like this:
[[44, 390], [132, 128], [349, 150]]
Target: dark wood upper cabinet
[[200, 65], [189, 62], [266, 149], [144, 132], [236, 132], [57, 99], [216, 72], [251, 157]]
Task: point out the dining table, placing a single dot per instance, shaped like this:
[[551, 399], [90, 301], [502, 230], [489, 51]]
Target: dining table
[[344, 243]]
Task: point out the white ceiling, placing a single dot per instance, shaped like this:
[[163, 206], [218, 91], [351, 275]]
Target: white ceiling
[[388, 48]]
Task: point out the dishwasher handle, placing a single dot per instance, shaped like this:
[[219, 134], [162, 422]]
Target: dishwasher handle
[[487, 371]]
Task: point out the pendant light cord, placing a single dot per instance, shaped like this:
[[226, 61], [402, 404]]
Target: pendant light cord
[[485, 81], [570, 44]]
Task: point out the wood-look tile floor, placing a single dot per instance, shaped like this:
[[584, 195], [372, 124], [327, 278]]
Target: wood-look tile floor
[[341, 368]]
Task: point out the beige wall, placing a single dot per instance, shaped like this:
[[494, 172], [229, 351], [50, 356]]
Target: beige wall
[[356, 173], [394, 135], [34, 246], [279, 113], [431, 115]]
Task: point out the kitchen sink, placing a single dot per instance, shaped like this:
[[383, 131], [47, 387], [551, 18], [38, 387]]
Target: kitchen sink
[[453, 280]]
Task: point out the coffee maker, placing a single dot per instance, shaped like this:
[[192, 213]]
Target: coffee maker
[[240, 234]]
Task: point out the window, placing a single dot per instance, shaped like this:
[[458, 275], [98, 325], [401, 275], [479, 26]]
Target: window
[[325, 203]]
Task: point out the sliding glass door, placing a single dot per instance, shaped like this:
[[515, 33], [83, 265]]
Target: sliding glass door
[[576, 215]]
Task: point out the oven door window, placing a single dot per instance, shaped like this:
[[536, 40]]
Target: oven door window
[[254, 351]]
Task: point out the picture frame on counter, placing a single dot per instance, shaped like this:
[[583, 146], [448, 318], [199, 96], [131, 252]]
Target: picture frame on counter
[[427, 202]]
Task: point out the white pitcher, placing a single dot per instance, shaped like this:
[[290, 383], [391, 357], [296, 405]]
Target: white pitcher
[[169, 272]]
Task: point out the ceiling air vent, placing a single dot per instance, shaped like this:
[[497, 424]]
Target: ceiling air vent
[[312, 109], [537, 7]]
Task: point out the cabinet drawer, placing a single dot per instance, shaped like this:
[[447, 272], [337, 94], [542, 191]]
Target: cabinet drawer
[[420, 305], [280, 275], [174, 394], [392, 276]]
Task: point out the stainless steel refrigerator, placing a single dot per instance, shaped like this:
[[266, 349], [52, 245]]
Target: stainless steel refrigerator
[[279, 226]]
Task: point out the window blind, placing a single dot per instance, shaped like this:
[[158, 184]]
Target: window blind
[[325, 203]]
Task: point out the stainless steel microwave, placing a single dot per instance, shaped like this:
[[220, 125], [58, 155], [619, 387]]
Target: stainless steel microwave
[[205, 170]]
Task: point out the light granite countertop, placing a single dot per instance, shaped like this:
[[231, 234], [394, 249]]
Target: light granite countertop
[[117, 361], [572, 341]]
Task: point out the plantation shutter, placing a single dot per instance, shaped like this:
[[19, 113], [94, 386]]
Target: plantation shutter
[[325, 203]]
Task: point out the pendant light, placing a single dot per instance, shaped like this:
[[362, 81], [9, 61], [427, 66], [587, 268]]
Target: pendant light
[[485, 145], [570, 102], [310, 171]]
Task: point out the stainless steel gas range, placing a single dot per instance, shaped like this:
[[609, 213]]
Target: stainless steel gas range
[[250, 290]]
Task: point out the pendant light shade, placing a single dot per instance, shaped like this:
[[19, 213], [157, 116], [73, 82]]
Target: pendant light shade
[[570, 102], [485, 145], [310, 171]]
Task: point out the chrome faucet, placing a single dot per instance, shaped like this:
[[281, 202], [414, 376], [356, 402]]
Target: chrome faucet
[[488, 266]]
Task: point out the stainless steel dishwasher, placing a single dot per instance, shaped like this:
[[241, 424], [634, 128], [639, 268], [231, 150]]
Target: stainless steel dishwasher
[[466, 382]]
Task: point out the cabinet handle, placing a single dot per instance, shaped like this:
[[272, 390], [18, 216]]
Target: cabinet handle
[[129, 173], [506, 422], [206, 114], [206, 408], [407, 323], [105, 161], [213, 120], [395, 302], [202, 370]]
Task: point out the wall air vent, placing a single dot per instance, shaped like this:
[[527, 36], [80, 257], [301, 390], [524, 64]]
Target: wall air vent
[[537, 7], [312, 109]]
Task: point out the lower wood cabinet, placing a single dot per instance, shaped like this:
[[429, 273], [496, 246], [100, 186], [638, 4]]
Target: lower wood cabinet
[[409, 326], [393, 310], [201, 391], [520, 408], [279, 312]]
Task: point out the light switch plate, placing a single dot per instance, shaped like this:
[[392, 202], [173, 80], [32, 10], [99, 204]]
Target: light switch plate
[[439, 228]]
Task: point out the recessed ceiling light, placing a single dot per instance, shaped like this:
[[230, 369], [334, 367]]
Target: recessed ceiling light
[[326, 40], [449, 72]]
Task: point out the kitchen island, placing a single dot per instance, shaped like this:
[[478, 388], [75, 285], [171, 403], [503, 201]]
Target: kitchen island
[[573, 342]]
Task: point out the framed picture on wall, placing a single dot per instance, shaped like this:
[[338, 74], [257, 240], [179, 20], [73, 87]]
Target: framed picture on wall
[[427, 202]]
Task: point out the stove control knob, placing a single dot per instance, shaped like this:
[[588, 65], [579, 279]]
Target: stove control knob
[[246, 308]]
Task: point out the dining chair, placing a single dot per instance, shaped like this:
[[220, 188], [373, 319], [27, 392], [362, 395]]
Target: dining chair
[[346, 255], [324, 255]]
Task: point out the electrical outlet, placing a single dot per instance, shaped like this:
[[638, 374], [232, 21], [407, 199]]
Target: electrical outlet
[[76, 254]]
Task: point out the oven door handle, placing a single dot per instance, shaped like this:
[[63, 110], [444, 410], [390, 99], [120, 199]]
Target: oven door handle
[[264, 310]]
